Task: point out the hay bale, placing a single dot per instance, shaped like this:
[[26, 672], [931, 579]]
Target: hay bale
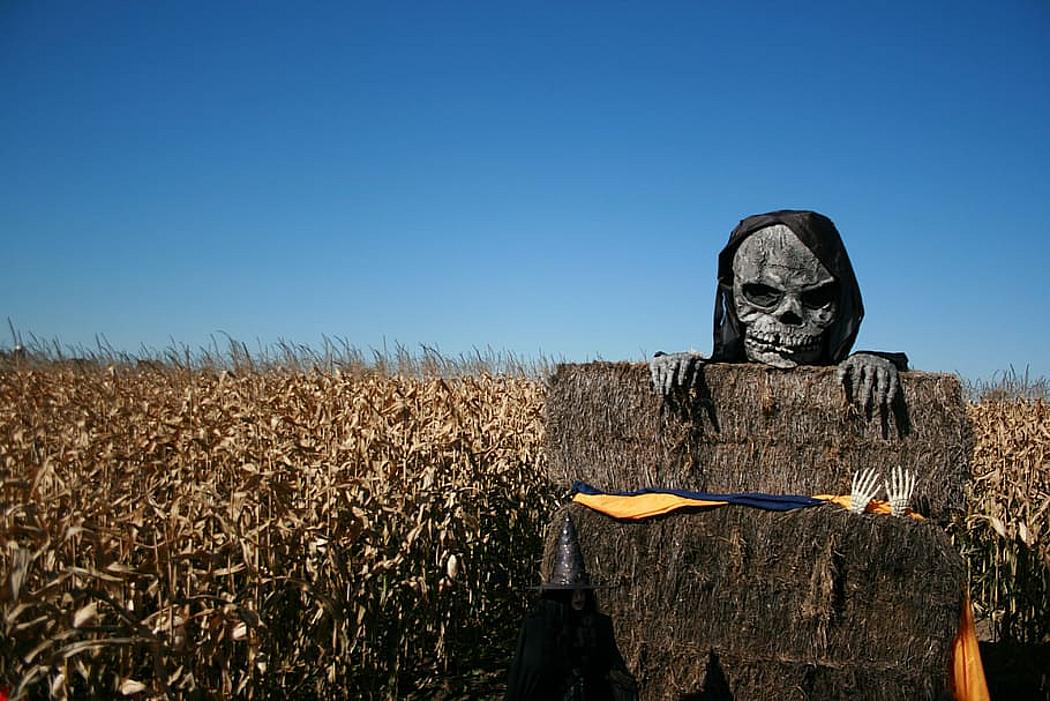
[[753, 428], [738, 603]]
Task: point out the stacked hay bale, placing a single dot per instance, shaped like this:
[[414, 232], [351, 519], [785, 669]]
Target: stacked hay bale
[[752, 428], [740, 603]]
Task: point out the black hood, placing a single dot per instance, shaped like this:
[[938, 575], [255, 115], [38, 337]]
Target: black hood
[[821, 237]]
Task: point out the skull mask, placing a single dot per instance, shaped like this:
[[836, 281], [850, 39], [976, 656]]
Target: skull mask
[[784, 297]]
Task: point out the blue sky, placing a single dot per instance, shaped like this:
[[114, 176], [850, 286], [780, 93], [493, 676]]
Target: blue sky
[[538, 178]]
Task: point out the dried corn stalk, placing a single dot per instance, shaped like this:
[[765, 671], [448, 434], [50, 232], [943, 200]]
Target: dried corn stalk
[[322, 533]]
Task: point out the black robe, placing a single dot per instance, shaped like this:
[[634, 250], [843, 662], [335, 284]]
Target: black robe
[[820, 236], [566, 655]]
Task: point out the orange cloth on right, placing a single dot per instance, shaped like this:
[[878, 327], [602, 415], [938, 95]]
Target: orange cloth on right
[[875, 506], [968, 680]]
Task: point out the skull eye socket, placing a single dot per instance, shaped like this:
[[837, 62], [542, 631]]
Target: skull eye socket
[[762, 295], [820, 296]]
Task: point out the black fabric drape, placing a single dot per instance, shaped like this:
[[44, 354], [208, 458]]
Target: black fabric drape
[[565, 655]]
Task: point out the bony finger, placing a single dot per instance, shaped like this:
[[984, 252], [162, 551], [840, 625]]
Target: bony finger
[[873, 478], [683, 372], [669, 376], [866, 382], [867, 479], [894, 388], [882, 387], [858, 479], [654, 374], [694, 379]]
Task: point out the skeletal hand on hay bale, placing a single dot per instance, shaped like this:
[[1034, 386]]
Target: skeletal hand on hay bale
[[869, 381], [865, 487], [899, 489], [672, 370]]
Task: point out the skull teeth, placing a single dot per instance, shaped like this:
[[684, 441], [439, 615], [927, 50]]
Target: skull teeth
[[787, 343]]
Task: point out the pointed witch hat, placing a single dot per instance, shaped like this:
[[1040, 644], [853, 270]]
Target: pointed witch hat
[[569, 571]]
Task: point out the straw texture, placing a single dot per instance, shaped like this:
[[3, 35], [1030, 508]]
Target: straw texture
[[748, 604], [753, 428]]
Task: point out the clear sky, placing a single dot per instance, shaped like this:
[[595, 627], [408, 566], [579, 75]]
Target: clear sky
[[549, 178]]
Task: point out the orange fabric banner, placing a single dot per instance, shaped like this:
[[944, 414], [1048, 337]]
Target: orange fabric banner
[[637, 507], [968, 680], [875, 506], [641, 506]]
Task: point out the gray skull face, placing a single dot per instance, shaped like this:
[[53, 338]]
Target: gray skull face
[[784, 297]]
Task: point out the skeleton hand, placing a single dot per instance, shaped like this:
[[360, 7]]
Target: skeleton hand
[[865, 487], [899, 489], [869, 379], [673, 370]]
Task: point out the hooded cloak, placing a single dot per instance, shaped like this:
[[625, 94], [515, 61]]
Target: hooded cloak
[[820, 236], [567, 655], [564, 654]]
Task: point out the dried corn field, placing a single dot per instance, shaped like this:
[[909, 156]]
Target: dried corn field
[[1006, 537], [324, 534], [169, 532]]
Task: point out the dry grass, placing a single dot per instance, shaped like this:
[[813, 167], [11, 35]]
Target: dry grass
[[323, 534], [175, 528], [1006, 537]]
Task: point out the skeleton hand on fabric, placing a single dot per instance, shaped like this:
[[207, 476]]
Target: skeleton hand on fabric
[[869, 381], [865, 487], [673, 370], [899, 489]]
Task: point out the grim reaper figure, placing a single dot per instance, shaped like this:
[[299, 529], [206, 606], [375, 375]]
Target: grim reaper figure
[[787, 296]]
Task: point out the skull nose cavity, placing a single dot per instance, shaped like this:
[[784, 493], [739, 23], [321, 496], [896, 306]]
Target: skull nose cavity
[[790, 313]]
